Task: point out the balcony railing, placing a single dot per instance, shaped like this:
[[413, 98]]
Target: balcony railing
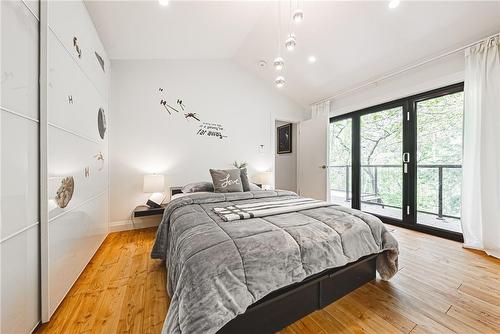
[[374, 198]]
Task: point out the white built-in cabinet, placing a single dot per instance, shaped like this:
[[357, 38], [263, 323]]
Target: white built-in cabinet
[[38, 268], [77, 89], [19, 159]]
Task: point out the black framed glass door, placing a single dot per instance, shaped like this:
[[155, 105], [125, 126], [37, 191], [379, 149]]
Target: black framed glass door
[[438, 130], [381, 166], [401, 161]]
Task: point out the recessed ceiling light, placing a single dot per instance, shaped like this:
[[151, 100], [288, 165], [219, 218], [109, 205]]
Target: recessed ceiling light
[[280, 82], [393, 4], [163, 2], [311, 59]]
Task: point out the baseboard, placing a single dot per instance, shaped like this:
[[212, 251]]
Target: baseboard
[[125, 225]]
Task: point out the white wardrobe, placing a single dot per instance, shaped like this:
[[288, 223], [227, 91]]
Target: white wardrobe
[[54, 155], [19, 168]]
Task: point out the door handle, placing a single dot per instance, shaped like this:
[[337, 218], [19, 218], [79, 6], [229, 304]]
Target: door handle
[[323, 166]]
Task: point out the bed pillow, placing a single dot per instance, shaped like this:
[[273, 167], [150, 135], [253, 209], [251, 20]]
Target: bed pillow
[[244, 179], [226, 180], [198, 187], [253, 186]]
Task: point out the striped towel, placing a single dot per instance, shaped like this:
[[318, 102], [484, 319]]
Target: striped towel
[[262, 209]]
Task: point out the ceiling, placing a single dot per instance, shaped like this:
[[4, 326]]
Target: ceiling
[[353, 41]]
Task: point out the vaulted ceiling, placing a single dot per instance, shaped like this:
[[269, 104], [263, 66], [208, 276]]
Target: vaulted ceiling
[[353, 41]]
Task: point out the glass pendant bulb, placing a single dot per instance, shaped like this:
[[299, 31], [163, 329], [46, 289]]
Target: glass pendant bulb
[[290, 42], [298, 15], [280, 82], [279, 63]]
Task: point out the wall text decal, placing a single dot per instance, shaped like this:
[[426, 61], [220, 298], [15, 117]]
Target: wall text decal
[[211, 130], [206, 129]]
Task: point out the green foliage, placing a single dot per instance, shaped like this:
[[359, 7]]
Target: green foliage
[[240, 165], [439, 142]]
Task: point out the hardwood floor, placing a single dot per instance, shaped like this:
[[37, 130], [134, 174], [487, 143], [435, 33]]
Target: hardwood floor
[[440, 288]]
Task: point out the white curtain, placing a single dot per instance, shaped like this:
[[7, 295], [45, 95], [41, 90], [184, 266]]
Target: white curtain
[[481, 160], [320, 109]]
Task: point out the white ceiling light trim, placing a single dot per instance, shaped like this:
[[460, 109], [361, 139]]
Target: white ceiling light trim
[[311, 59], [394, 4]]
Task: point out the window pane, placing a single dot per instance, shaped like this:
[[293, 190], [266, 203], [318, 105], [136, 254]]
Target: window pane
[[381, 166], [340, 169], [439, 161]]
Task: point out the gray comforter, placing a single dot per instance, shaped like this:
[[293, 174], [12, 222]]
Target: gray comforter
[[217, 269]]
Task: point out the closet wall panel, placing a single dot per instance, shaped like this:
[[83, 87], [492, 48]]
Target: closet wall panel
[[19, 62], [75, 236], [74, 100], [77, 146], [20, 283], [19, 170], [19, 165], [72, 25], [77, 157]]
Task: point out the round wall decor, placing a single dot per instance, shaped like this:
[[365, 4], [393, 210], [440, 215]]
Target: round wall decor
[[101, 122], [65, 191]]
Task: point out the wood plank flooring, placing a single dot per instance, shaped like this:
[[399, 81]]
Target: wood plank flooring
[[440, 288]]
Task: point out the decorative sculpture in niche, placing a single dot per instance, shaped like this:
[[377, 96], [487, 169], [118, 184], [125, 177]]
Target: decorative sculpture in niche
[[101, 122], [65, 192]]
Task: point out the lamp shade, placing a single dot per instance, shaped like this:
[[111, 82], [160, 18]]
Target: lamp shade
[[263, 178], [154, 183]]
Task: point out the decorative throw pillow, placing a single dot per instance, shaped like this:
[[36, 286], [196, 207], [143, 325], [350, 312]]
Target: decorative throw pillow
[[226, 181], [244, 179], [197, 187]]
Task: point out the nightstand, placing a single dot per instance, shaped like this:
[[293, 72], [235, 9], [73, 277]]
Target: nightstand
[[144, 211]]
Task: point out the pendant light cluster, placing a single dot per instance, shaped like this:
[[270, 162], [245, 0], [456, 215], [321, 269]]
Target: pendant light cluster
[[290, 42]]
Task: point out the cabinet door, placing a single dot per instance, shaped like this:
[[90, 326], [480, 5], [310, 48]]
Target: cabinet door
[[19, 59], [74, 238], [79, 158], [74, 102], [72, 25]]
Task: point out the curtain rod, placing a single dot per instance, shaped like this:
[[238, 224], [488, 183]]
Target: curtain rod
[[404, 69]]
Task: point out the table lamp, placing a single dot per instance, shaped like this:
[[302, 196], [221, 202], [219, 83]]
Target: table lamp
[[265, 179], [154, 184]]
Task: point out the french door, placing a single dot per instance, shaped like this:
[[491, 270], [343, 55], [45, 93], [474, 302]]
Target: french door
[[401, 161]]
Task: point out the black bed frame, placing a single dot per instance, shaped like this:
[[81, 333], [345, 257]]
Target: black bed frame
[[287, 305]]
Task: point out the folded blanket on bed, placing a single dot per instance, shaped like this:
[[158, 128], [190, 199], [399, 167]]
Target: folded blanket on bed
[[262, 209], [216, 269]]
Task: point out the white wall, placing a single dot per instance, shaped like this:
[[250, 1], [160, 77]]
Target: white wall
[[443, 72], [19, 126], [285, 165], [146, 139]]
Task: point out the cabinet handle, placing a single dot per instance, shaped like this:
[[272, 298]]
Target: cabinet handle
[[77, 47], [70, 99]]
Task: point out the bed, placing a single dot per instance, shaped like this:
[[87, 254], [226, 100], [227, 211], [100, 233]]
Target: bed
[[282, 259]]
